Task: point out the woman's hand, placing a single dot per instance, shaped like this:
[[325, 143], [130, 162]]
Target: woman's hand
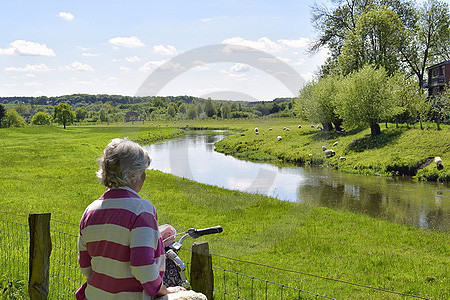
[[175, 289]]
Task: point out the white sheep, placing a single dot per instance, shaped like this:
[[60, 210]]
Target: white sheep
[[256, 132], [299, 126], [329, 153], [279, 138], [183, 295], [342, 158], [335, 144], [324, 148], [270, 129], [284, 128], [438, 161], [310, 155], [256, 129], [312, 126], [287, 129]]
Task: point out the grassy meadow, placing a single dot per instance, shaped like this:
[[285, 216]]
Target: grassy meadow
[[49, 169]]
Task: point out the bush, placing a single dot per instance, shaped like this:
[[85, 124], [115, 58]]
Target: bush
[[41, 118], [13, 119]]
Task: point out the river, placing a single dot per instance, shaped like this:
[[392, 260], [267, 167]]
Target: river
[[400, 200]]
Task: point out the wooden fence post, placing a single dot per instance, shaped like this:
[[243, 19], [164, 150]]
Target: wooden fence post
[[202, 277], [39, 261]]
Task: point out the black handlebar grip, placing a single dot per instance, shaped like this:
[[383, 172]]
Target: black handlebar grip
[[196, 233]]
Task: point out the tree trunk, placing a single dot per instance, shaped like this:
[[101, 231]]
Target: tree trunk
[[421, 127], [327, 126], [375, 129], [338, 124]]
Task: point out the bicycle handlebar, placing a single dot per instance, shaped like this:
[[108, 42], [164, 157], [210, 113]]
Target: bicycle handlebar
[[196, 233]]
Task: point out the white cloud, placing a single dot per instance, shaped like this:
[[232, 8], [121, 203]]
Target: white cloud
[[92, 54], [265, 44], [165, 50], [207, 20], [77, 66], [162, 65], [125, 69], [33, 83], [303, 43], [21, 47], [29, 68], [128, 42], [66, 16], [132, 59], [240, 68], [83, 49], [30, 75]]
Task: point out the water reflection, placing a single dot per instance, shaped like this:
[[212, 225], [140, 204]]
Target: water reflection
[[424, 205]]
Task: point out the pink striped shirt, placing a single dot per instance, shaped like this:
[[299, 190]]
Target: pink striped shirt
[[120, 248]]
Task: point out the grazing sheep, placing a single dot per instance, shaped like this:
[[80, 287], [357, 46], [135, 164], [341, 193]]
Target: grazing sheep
[[324, 148], [312, 126], [329, 153], [279, 138], [183, 295], [335, 144], [284, 128], [256, 132], [438, 162], [270, 129], [299, 126], [342, 158], [256, 129], [287, 129], [310, 155], [174, 122]]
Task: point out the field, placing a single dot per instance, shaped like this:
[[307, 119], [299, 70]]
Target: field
[[48, 169]]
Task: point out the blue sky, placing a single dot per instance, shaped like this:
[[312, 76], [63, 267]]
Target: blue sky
[[63, 47]]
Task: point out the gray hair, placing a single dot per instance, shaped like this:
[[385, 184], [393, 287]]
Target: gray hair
[[122, 163]]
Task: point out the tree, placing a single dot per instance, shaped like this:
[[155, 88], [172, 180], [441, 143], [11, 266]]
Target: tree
[[103, 115], [182, 109], [226, 111], [41, 118], [13, 119], [21, 109], [441, 107], [2, 113], [334, 22], [427, 39], [171, 111], [209, 108], [375, 40], [63, 114], [363, 99], [80, 113], [410, 102], [318, 102], [192, 112]]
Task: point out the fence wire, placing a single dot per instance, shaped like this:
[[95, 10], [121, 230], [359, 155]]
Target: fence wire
[[14, 252], [65, 275]]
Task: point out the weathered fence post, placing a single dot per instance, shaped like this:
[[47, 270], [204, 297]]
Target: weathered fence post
[[202, 277], [40, 249]]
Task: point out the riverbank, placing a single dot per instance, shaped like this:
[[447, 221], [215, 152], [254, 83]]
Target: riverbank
[[395, 152], [48, 169]]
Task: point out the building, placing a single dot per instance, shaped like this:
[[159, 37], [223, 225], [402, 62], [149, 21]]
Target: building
[[131, 116], [438, 77]]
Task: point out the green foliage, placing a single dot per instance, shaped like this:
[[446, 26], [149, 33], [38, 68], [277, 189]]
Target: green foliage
[[375, 40], [80, 113], [13, 119], [63, 114], [2, 113], [192, 112], [209, 108], [12, 289], [363, 98], [41, 118], [171, 111], [318, 101]]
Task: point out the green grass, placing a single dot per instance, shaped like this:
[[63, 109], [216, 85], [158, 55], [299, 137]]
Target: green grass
[[48, 169], [397, 151]]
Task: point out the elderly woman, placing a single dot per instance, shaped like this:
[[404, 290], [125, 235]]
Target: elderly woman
[[120, 247]]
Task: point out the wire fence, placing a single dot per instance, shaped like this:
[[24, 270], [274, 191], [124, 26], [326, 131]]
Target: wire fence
[[230, 278]]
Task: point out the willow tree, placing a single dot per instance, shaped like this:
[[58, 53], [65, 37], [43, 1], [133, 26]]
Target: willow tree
[[363, 99], [318, 102]]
